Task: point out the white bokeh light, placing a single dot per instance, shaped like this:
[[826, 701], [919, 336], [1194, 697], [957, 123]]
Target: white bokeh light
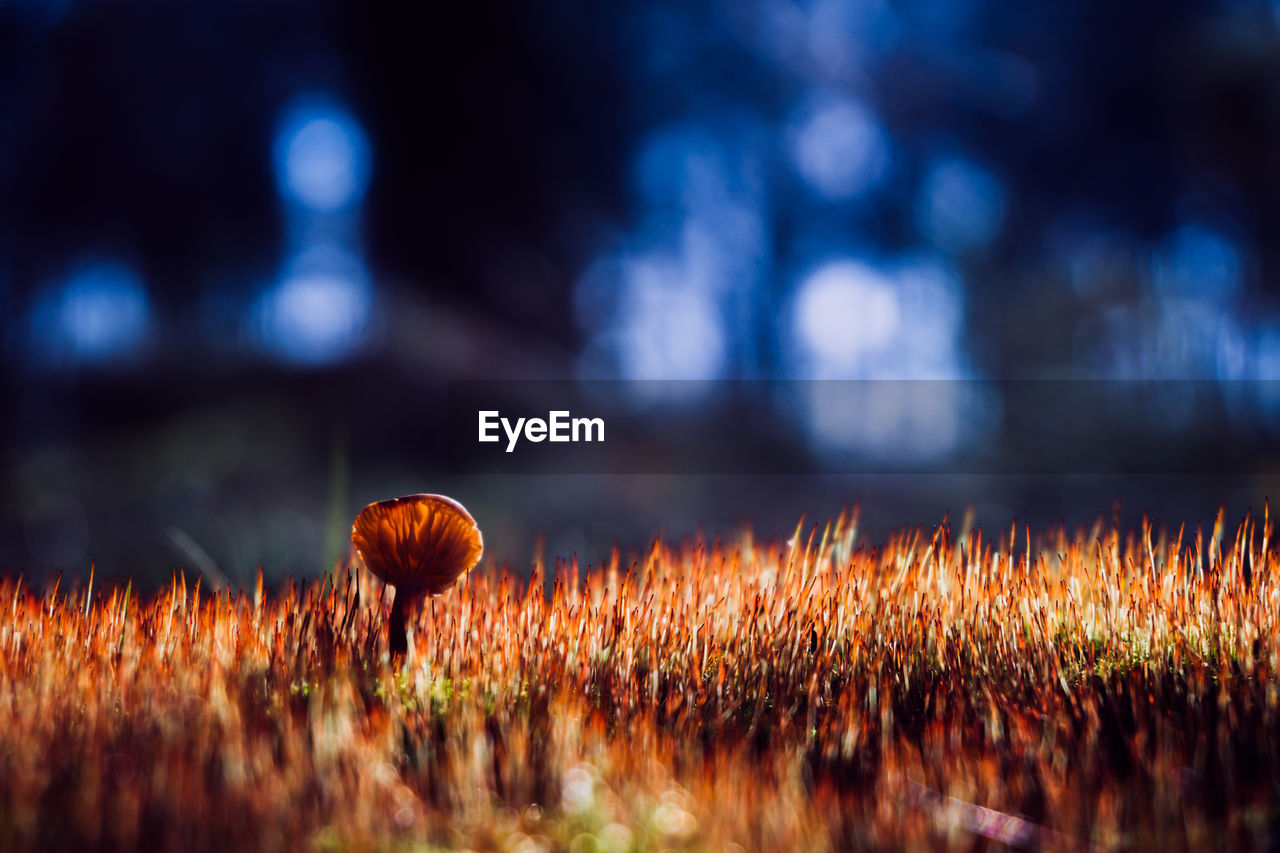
[[669, 331], [321, 155], [840, 149], [319, 311], [843, 311], [894, 323], [100, 313]]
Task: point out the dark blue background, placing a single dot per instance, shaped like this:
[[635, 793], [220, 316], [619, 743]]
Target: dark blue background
[[244, 245]]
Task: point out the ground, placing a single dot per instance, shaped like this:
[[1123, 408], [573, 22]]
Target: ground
[[944, 689]]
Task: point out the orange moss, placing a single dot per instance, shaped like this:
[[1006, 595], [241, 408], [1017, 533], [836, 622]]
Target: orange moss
[[1091, 688]]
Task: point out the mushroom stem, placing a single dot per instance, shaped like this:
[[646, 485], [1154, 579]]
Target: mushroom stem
[[396, 639]]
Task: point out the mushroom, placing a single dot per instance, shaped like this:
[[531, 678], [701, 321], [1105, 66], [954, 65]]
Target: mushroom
[[418, 544]]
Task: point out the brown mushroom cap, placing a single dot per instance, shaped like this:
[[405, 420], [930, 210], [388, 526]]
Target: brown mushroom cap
[[417, 542]]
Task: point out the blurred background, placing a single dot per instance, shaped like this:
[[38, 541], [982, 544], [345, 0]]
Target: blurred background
[[244, 245]]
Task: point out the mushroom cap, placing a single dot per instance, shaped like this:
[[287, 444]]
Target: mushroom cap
[[417, 542]]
